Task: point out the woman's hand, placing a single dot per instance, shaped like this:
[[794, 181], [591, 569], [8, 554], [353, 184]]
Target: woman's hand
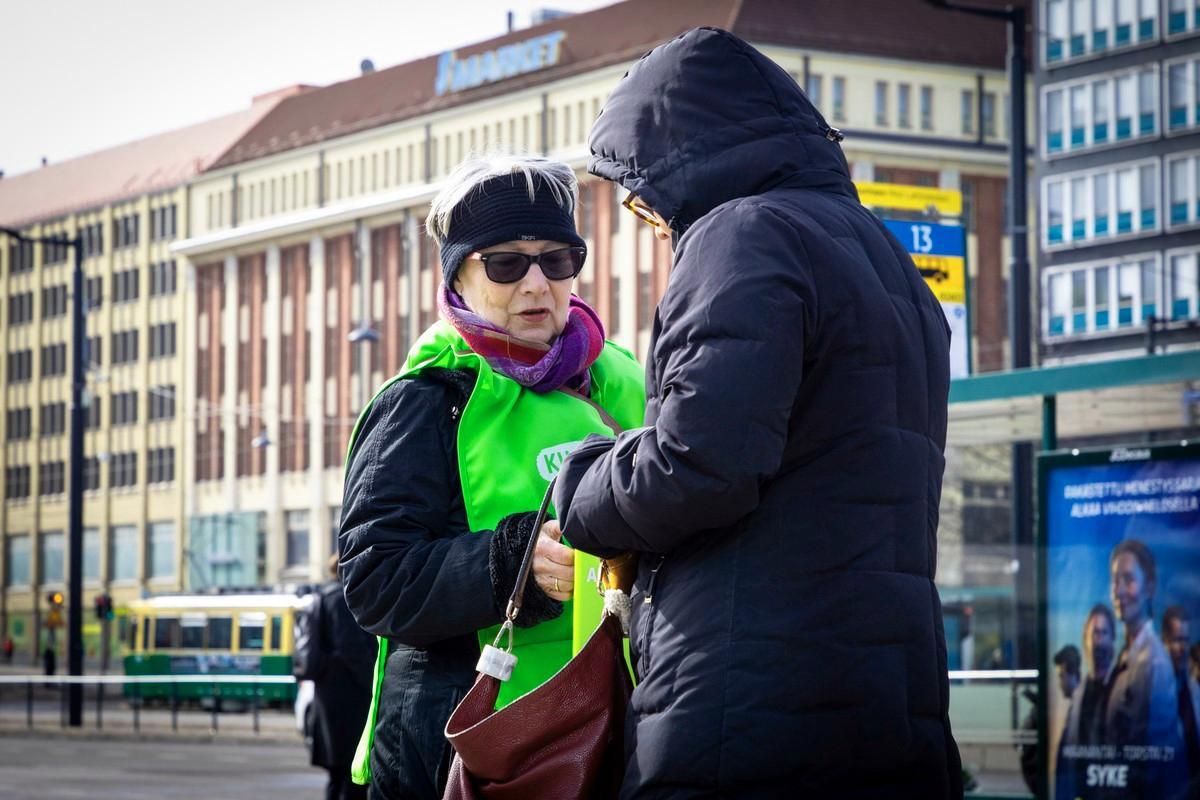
[[553, 563]]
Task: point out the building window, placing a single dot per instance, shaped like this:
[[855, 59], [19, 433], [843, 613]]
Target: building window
[[1183, 278], [161, 559], [16, 482], [988, 112], [839, 99], [20, 309], [162, 278], [94, 291], [125, 231], [125, 285], [124, 408], [1087, 199], [54, 301], [1078, 28], [160, 465], [20, 366], [1183, 189], [1182, 93], [813, 90], [122, 470], [904, 105], [1054, 12], [1183, 17], [1110, 296], [20, 257], [162, 402], [162, 223], [91, 554], [51, 478], [162, 340], [52, 419], [51, 556], [968, 112], [17, 426], [93, 352], [91, 473], [124, 347], [92, 403], [93, 239], [54, 360], [926, 108], [123, 552], [296, 523], [16, 561], [881, 103]]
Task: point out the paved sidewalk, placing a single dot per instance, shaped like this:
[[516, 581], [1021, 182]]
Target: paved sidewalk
[[39, 767]]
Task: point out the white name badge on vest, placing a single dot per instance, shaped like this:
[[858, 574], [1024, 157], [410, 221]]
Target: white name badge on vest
[[550, 460]]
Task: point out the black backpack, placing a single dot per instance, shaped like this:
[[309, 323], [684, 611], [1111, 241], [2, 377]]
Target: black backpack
[[307, 656]]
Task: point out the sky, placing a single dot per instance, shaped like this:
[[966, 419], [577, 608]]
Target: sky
[[78, 76]]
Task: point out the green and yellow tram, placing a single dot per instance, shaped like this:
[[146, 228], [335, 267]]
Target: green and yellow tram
[[212, 635]]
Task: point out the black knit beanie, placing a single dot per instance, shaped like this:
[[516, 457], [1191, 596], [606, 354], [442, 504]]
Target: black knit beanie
[[499, 210]]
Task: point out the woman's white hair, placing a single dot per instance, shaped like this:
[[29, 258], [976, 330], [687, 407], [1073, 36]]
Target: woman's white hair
[[476, 170]]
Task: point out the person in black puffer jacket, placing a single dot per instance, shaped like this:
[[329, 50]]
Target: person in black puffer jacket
[[784, 498]]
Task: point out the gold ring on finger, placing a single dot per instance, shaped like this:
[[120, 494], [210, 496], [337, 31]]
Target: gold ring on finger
[[556, 589]]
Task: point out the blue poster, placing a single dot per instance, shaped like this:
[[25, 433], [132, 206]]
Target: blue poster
[[1122, 579]]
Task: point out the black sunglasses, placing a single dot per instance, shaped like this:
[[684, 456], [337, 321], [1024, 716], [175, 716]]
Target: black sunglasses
[[556, 265]]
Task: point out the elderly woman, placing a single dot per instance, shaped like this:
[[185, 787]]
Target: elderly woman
[[451, 459]]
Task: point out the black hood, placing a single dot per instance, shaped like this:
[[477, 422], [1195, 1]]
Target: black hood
[[706, 118]]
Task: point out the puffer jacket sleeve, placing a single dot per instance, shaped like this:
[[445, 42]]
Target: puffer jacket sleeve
[[729, 360], [411, 570]]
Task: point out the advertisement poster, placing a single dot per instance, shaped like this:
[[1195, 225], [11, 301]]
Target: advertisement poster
[[1121, 578]]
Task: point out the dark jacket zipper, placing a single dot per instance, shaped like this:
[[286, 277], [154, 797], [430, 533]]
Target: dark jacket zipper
[[644, 638]]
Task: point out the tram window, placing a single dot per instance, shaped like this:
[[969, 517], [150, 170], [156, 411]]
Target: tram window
[[131, 630], [277, 633], [220, 633], [146, 633], [250, 631], [191, 632], [166, 633]]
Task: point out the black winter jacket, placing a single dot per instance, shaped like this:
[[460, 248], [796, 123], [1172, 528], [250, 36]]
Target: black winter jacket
[[342, 690], [415, 574], [787, 630]]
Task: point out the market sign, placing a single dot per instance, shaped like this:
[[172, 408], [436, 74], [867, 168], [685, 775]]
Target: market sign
[[939, 253], [455, 74], [910, 198]]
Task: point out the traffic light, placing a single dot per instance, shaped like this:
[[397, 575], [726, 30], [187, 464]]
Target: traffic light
[[104, 607], [54, 598]]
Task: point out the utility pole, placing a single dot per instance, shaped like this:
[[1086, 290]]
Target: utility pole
[[75, 471]]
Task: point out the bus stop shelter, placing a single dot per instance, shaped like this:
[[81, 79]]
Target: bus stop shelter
[[1135, 401]]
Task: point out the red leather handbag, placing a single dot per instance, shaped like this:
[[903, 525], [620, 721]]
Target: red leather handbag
[[563, 740]]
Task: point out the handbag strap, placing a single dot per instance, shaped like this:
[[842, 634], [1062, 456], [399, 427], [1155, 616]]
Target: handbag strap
[[518, 592]]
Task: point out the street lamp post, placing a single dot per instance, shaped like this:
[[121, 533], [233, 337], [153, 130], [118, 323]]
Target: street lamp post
[[75, 479], [1020, 350]]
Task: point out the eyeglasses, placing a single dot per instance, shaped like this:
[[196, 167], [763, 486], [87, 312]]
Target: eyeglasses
[[640, 210], [556, 265]]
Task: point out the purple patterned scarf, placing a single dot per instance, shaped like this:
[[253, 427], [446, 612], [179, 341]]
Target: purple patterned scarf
[[540, 367]]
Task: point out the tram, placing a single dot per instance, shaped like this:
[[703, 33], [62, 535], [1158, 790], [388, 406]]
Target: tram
[[211, 634]]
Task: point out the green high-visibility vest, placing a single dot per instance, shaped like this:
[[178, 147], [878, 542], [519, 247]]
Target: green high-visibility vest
[[511, 443]]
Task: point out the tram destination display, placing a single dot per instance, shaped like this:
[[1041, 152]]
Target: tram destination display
[[1120, 547]]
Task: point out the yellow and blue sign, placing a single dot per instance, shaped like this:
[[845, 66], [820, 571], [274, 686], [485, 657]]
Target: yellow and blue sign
[[910, 198], [940, 254]]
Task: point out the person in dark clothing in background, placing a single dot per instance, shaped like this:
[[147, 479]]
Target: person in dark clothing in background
[[341, 689], [784, 496]]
